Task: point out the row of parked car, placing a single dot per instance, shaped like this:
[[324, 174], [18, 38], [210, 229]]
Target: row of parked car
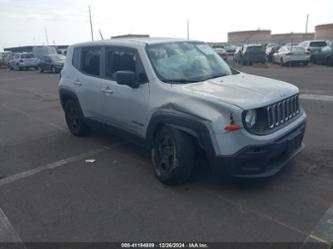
[[24, 61], [315, 51]]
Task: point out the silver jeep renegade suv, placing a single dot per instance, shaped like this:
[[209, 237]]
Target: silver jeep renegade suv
[[174, 96]]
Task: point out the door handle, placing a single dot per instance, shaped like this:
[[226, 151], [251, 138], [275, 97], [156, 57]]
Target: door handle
[[107, 90], [77, 83]]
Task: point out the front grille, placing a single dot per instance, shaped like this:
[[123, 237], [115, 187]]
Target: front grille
[[282, 111]]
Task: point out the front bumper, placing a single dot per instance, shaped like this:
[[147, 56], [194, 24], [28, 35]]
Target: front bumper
[[264, 160]]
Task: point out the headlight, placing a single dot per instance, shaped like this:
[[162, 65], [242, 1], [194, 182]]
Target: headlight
[[250, 118]]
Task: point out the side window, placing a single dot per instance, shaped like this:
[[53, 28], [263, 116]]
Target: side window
[[90, 60], [118, 60], [76, 58], [124, 60]]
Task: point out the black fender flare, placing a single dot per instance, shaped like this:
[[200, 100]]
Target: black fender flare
[[193, 125], [65, 94]]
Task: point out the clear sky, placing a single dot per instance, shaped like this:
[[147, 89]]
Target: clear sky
[[23, 22]]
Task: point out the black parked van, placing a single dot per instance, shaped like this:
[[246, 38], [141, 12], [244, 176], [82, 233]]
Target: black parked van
[[251, 54]]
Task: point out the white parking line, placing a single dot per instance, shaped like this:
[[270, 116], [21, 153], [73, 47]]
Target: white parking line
[[54, 165], [253, 211], [323, 232], [17, 110], [238, 205], [318, 97], [7, 232]]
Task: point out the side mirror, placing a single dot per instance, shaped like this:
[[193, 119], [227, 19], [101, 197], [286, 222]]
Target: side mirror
[[126, 78]]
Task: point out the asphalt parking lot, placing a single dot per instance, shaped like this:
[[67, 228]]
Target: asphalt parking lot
[[49, 193]]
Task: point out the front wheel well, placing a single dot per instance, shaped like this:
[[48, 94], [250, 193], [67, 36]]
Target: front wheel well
[[66, 95], [64, 98], [192, 134]]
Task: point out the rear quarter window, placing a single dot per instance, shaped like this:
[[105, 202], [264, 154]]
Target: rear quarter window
[[76, 58]]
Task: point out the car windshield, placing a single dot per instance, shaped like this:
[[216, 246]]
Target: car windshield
[[26, 56], [186, 62], [318, 44], [57, 57]]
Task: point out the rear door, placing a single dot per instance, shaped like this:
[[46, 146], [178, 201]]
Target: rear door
[[125, 107], [255, 53], [88, 82]]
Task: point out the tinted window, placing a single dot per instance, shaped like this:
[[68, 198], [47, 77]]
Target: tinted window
[[318, 44], [119, 59], [90, 60], [76, 58], [254, 49], [26, 56]]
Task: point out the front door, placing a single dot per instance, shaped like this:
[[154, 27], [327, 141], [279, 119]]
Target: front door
[[125, 107]]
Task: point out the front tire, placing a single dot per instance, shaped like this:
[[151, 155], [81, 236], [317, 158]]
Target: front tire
[[41, 70], [173, 156], [75, 120]]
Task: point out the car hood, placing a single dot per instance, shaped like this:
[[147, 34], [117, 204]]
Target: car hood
[[242, 90]]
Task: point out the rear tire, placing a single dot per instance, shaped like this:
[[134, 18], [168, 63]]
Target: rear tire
[[282, 62], [74, 119], [173, 156], [41, 70]]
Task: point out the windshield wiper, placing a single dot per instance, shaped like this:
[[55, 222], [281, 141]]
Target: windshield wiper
[[217, 76], [180, 81]]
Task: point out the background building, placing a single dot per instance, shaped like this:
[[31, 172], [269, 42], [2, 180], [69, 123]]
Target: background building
[[324, 31], [291, 37], [29, 49], [251, 36]]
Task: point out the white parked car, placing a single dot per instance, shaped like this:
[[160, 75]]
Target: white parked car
[[23, 61], [176, 97], [288, 55]]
